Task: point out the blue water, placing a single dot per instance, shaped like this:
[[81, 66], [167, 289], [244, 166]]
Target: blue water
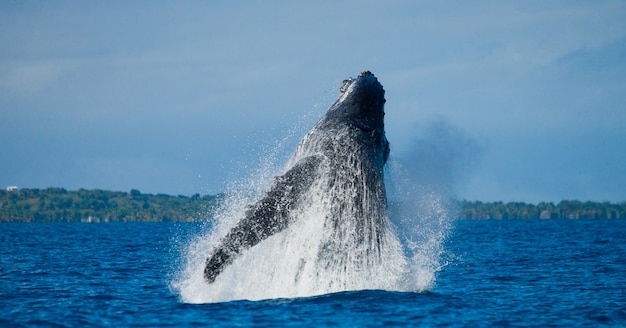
[[498, 273]]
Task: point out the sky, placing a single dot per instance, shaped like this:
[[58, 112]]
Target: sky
[[500, 100]]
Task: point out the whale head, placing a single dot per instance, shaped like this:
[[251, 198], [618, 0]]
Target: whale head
[[361, 101], [361, 104]]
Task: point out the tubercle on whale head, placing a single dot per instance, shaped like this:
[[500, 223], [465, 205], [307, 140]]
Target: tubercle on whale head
[[366, 85], [361, 104], [361, 101]]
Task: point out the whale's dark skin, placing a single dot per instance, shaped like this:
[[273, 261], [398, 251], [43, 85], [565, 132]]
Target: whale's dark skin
[[348, 142]]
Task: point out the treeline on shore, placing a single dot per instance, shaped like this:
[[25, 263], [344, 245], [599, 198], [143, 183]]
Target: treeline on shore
[[566, 209], [61, 205]]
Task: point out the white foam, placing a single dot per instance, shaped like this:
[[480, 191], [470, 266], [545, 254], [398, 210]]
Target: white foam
[[317, 254]]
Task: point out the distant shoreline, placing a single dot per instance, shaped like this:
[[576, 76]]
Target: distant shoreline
[[91, 206], [87, 206]]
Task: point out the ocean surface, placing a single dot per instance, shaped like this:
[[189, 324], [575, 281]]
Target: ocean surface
[[560, 273]]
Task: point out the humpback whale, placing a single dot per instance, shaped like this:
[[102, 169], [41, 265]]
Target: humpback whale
[[338, 167]]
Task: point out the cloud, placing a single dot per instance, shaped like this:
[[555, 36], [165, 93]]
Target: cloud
[[212, 78]]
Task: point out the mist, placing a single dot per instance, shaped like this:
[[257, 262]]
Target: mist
[[439, 158]]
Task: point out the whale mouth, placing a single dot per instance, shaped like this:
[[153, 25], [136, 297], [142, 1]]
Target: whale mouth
[[364, 128]]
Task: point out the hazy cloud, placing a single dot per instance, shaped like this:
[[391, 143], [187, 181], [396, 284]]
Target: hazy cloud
[[535, 86]]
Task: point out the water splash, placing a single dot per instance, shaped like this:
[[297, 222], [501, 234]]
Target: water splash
[[342, 237], [423, 215]]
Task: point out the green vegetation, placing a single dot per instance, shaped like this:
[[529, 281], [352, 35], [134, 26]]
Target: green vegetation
[[60, 205], [566, 209]]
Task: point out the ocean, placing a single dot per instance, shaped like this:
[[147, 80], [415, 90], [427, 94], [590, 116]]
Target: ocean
[[559, 273]]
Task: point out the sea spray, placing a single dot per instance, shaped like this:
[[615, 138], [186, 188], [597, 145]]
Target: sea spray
[[289, 264], [322, 225], [423, 216]]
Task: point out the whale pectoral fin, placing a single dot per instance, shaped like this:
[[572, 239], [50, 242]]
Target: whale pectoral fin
[[266, 217]]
